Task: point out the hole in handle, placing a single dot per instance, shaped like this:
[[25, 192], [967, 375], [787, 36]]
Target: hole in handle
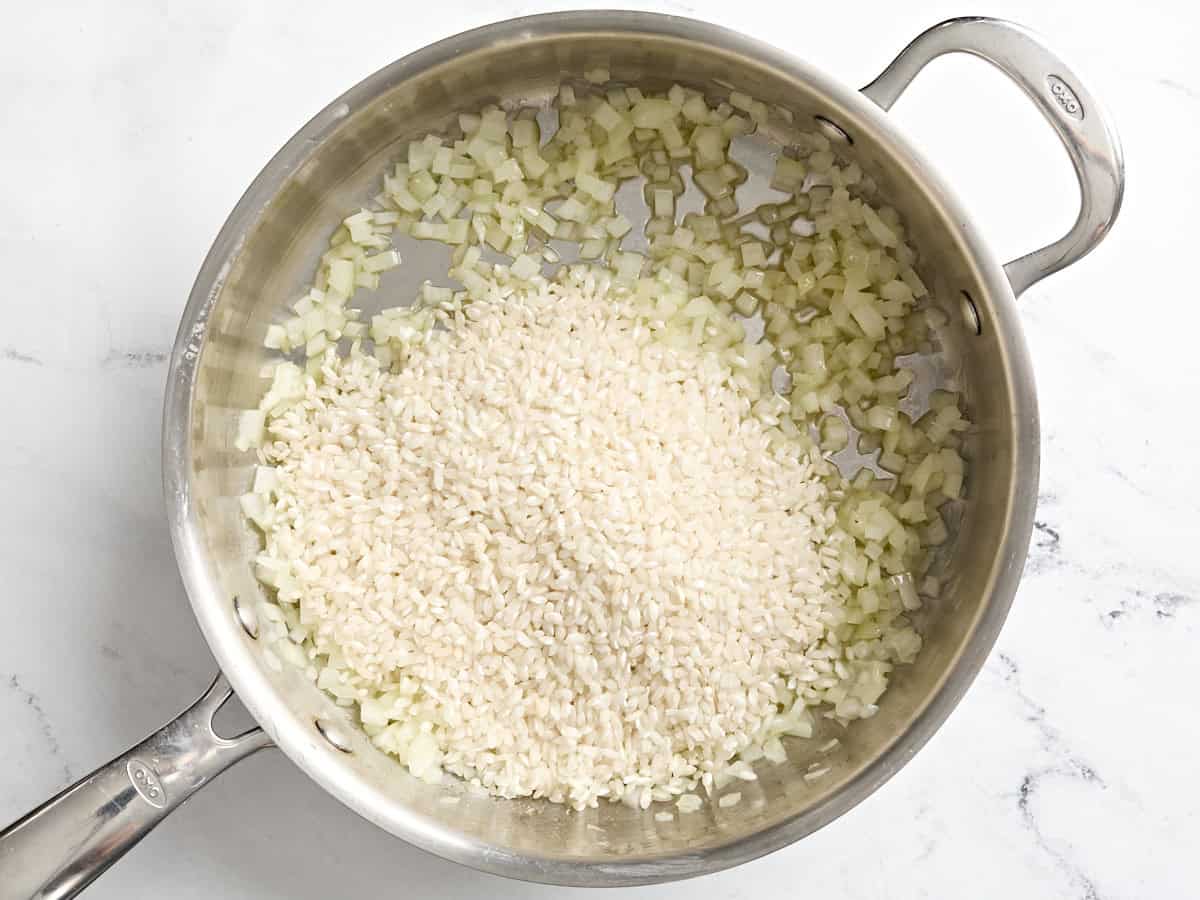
[[833, 130], [334, 735], [246, 617], [970, 313]]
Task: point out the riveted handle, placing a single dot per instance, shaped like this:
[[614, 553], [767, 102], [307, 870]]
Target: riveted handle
[[66, 843], [1079, 120]]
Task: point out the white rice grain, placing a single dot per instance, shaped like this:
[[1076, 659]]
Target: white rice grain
[[554, 556]]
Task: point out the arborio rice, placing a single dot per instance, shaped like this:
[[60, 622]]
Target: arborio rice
[[561, 538], [555, 555]]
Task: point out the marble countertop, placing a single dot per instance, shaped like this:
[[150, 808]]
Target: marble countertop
[[1067, 772]]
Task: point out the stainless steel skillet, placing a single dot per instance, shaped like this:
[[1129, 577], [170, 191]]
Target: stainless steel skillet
[[267, 250]]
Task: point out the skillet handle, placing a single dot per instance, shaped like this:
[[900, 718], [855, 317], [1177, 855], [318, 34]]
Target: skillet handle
[[62, 846], [1080, 122]]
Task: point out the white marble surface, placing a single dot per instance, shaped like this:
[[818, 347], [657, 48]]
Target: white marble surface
[[1068, 772]]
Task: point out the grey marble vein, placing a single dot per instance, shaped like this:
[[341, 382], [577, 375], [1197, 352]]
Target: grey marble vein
[[1045, 549], [1068, 764], [12, 354], [1168, 603], [135, 359], [1163, 606], [1148, 493], [46, 730], [1163, 594], [1179, 87]]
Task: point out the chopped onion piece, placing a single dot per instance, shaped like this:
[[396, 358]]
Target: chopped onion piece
[[525, 267], [652, 113], [250, 429], [381, 262]]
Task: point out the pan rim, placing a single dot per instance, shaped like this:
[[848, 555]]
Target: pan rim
[[288, 730]]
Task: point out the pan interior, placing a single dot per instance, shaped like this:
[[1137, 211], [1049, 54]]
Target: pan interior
[[316, 181]]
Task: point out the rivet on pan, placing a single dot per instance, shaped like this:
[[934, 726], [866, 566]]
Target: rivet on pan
[[971, 313], [246, 616], [337, 738], [833, 131]]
